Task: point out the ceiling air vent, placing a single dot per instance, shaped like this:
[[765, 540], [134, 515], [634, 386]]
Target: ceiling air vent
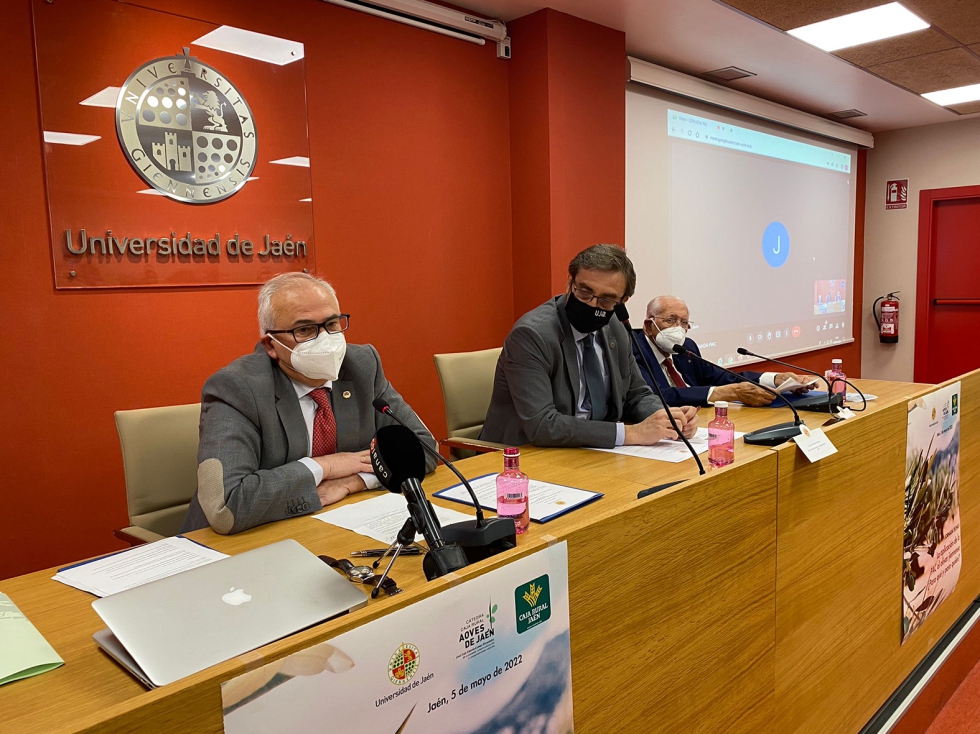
[[728, 74], [847, 114]]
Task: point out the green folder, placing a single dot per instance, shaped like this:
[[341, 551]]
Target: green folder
[[23, 651]]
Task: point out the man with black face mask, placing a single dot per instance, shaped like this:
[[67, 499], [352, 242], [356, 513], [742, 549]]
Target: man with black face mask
[[567, 376]]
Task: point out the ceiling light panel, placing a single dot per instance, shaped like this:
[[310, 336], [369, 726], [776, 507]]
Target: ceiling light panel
[[865, 26], [956, 95], [271, 49]]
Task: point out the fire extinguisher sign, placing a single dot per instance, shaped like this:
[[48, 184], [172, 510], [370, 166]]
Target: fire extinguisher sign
[[897, 194]]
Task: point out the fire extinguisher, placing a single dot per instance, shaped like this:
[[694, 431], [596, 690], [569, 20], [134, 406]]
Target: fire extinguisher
[[887, 318]]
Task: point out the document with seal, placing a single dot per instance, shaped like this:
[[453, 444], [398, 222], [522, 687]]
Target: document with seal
[[547, 501], [24, 651]]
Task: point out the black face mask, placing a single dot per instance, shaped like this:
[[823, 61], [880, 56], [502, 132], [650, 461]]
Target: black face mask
[[583, 317]]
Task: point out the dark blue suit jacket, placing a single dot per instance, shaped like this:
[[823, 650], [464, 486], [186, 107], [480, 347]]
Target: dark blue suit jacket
[[700, 376]]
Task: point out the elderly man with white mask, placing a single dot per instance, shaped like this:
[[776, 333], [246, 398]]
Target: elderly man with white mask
[[686, 381], [285, 430]]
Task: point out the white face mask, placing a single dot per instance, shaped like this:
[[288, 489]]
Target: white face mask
[[667, 338], [320, 358]]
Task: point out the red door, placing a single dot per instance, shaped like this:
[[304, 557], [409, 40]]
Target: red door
[[948, 294]]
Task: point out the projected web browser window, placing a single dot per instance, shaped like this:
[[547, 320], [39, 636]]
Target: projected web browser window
[[753, 229]]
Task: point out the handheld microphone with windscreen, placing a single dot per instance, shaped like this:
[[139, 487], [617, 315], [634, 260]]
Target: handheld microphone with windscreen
[[480, 538], [399, 463], [771, 436]]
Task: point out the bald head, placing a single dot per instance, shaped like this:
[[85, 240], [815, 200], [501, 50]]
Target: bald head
[[661, 305]]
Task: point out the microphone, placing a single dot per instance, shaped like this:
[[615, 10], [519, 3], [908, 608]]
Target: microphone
[[771, 436], [480, 538], [624, 316], [819, 403], [399, 463]]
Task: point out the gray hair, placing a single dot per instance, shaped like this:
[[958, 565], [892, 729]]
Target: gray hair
[[657, 304], [281, 282], [608, 258]]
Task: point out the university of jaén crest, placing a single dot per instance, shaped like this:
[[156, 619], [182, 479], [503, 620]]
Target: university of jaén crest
[[186, 129]]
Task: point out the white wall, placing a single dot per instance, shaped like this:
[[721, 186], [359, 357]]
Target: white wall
[[931, 157]]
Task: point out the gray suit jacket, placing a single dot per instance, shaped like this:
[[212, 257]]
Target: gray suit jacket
[[253, 433], [536, 385]]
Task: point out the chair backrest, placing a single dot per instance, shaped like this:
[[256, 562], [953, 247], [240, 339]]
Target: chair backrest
[[159, 450], [467, 383]]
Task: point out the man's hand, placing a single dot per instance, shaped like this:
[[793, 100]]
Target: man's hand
[[807, 380], [344, 464], [334, 490], [752, 395], [657, 426]]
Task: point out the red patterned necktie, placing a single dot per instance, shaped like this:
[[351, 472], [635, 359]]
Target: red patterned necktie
[[324, 424], [672, 371]]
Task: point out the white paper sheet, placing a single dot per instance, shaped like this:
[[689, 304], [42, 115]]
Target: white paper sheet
[[790, 385], [547, 500], [382, 517], [137, 566], [673, 451]]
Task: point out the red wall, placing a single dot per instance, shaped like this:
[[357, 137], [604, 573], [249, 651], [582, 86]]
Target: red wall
[[410, 151]]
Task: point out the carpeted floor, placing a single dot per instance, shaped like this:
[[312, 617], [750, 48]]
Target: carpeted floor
[[961, 715]]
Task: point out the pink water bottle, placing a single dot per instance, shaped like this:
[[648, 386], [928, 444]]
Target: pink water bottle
[[512, 484], [721, 437], [836, 378]]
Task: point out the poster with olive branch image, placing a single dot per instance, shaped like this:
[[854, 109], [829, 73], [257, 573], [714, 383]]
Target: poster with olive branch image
[[932, 553]]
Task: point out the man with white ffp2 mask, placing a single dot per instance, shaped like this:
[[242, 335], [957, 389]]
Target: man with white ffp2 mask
[[686, 381], [285, 430]]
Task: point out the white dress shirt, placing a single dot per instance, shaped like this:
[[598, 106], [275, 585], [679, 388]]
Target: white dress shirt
[[580, 409], [308, 405], [768, 379]]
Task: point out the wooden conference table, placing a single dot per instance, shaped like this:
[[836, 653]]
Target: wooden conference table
[[762, 597]]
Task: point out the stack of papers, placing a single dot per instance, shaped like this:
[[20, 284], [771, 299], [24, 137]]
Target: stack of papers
[[670, 450], [136, 566], [547, 501], [25, 651], [382, 517]]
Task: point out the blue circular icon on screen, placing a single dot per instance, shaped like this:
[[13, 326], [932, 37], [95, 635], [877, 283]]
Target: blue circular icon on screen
[[775, 244]]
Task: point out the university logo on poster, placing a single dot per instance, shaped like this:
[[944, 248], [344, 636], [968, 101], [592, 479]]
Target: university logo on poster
[[186, 129]]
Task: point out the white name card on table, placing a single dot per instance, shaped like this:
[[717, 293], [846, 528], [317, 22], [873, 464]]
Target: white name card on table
[[382, 517], [547, 501], [136, 566], [23, 651], [814, 444]]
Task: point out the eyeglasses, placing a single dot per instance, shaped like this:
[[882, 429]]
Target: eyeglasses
[[587, 296], [309, 332], [675, 320]]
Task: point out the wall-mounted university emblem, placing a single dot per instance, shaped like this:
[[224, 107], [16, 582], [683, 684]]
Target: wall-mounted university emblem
[[186, 129]]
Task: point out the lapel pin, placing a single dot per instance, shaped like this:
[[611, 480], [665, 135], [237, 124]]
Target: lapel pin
[[346, 393]]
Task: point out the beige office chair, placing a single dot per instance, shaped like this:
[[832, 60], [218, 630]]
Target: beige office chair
[[159, 450], [467, 383]]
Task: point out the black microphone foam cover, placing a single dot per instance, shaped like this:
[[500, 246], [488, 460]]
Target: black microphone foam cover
[[621, 313], [742, 350], [381, 405], [680, 349], [397, 455]]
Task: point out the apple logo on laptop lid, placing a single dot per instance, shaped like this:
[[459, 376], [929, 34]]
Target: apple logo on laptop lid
[[236, 597]]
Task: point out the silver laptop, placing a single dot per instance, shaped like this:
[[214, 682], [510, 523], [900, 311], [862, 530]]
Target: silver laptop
[[167, 629]]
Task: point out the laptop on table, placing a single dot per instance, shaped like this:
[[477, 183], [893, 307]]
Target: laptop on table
[[170, 628]]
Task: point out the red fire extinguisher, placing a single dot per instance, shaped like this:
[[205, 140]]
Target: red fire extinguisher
[[887, 318]]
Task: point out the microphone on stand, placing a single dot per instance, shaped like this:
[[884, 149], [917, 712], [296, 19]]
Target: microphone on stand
[[771, 436], [829, 404], [624, 317], [399, 463], [480, 538]]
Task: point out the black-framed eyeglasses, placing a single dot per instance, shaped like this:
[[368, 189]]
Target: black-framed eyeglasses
[[308, 332], [587, 296], [675, 320]]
